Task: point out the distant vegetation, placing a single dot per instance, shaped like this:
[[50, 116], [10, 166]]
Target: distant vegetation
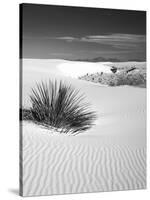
[[59, 106], [125, 76], [103, 59], [97, 59]]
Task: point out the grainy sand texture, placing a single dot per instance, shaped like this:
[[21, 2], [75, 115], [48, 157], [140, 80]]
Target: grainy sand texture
[[108, 157]]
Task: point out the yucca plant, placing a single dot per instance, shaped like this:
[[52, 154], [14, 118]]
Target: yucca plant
[[57, 105]]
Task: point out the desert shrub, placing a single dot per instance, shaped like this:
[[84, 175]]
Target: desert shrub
[[60, 106], [134, 78], [25, 114]]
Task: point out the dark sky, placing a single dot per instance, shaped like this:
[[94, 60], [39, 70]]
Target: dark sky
[[82, 33]]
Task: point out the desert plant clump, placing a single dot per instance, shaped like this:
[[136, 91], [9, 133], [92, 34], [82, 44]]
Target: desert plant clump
[[57, 105], [133, 78], [25, 114]]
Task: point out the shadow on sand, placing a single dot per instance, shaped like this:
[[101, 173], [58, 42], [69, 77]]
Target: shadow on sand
[[14, 191]]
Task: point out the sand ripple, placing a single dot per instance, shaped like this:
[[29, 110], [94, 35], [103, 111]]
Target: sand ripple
[[61, 165]]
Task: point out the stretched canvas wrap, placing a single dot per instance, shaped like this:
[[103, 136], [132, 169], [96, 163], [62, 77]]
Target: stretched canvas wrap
[[82, 100]]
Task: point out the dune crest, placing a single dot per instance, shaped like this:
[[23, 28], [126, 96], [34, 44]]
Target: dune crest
[[76, 69]]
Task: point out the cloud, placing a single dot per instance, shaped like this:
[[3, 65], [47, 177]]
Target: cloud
[[66, 38], [120, 41], [121, 46], [117, 36]]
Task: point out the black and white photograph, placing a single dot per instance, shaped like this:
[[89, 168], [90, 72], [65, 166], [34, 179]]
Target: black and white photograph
[[83, 99]]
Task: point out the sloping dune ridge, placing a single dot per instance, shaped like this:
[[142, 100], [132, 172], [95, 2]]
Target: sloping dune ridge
[[110, 156], [76, 69]]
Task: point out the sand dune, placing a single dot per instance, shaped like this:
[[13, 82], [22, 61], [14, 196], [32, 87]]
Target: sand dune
[[76, 69], [110, 156], [35, 70], [60, 164]]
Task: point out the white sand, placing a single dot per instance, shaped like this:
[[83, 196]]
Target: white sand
[[110, 156], [76, 69]]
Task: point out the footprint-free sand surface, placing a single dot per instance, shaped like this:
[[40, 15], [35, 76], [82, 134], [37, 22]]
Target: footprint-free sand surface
[[110, 156]]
